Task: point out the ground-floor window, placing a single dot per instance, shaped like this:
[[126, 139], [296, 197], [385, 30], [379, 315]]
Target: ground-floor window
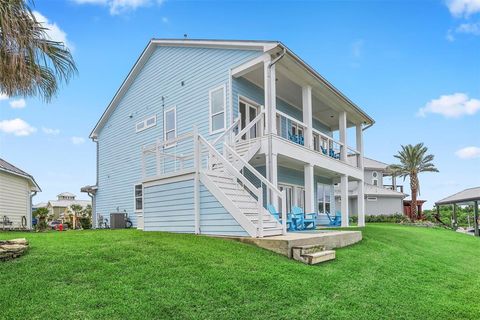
[[138, 197], [295, 195], [324, 198]]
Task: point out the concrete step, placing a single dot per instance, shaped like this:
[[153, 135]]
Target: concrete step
[[312, 254], [319, 257]]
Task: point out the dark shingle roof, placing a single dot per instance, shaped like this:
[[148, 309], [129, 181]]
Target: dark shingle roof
[[466, 195], [8, 167]]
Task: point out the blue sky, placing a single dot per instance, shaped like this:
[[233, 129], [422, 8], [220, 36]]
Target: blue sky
[[413, 66]]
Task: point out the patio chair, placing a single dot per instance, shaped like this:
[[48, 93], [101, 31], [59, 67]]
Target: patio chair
[[309, 219], [335, 221], [276, 215]]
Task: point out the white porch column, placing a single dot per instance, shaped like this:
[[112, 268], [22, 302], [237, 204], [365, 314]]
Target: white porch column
[[309, 189], [361, 184], [361, 203], [344, 199], [274, 171], [342, 127], [270, 96], [307, 115]]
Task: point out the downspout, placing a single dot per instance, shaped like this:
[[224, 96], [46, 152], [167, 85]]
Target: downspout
[[32, 194], [270, 124], [94, 205]]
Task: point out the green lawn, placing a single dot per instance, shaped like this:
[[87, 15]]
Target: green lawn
[[396, 272]]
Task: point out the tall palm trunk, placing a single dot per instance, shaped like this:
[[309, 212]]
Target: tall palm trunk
[[414, 191]]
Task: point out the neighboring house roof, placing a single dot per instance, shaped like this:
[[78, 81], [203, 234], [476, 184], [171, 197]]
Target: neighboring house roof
[[467, 195], [10, 168], [68, 203], [66, 194], [371, 190], [41, 205], [369, 163], [263, 46]]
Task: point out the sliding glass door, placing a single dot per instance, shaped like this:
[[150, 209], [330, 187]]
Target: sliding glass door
[[324, 198]]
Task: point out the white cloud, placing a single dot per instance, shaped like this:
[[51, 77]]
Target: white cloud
[[3, 96], [117, 7], [465, 8], [451, 106], [77, 140], [472, 28], [51, 131], [17, 127], [357, 48], [53, 31], [468, 153], [18, 104]]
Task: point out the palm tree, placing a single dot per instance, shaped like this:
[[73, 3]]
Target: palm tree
[[413, 160], [30, 63]]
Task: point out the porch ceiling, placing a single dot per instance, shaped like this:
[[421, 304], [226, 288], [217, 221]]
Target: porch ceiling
[[291, 92]]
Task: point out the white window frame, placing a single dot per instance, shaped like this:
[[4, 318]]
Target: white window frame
[[169, 145], [324, 197], [135, 198], [145, 126], [210, 114]]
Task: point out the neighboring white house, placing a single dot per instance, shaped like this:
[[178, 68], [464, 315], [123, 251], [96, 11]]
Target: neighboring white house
[[60, 209], [16, 191], [380, 199], [203, 134]]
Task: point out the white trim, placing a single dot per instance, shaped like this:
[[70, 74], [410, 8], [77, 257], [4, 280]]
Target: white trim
[[135, 198], [145, 123], [372, 198], [187, 174], [211, 115], [166, 145], [230, 95], [250, 65]]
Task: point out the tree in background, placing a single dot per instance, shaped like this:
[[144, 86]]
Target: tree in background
[[413, 160], [41, 214], [76, 211], [30, 63]]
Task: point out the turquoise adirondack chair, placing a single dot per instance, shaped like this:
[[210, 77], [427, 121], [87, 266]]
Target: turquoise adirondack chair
[[308, 220], [276, 214], [335, 221]]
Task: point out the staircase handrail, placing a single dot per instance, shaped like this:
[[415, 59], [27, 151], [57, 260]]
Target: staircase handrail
[[249, 125], [230, 129], [229, 166], [255, 172]]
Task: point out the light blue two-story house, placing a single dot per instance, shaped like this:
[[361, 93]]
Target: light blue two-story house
[[203, 134]]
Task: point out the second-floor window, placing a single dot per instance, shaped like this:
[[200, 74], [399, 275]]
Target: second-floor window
[[218, 103], [146, 123], [170, 125], [375, 178]]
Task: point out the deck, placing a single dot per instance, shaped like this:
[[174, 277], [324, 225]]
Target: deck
[[331, 239]]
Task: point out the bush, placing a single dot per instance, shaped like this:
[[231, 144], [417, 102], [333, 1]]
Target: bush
[[385, 218], [86, 223]]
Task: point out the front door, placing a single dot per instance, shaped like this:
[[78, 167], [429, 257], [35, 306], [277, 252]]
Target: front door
[[248, 112]]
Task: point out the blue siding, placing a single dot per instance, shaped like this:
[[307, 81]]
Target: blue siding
[[170, 207], [214, 219], [119, 145]]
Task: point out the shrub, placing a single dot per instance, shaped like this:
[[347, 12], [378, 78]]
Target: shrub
[[385, 218], [86, 223]]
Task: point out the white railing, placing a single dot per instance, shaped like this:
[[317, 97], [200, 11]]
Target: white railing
[[272, 194], [216, 162], [294, 130], [166, 157], [227, 134], [256, 124]]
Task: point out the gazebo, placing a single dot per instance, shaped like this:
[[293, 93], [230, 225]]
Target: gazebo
[[467, 196]]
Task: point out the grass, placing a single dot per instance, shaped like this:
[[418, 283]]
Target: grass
[[396, 272]]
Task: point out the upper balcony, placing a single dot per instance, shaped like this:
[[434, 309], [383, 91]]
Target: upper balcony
[[300, 107]]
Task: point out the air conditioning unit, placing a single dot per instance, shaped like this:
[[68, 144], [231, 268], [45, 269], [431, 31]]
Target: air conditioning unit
[[118, 220]]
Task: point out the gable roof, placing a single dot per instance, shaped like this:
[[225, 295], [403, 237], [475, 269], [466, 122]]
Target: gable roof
[[261, 45], [369, 163], [466, 195], [10, 168]]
